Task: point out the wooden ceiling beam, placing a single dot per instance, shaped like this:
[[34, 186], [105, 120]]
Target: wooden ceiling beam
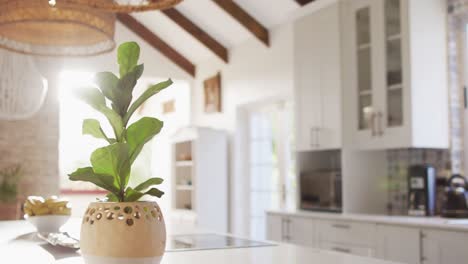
[[304, 2], [157, 43], [244, 18], [198, 33]]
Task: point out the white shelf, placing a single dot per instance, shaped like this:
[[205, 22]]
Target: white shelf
[[184, 163], [365, 92], [364, 46], [395, 87], [184, 187], [394, 37]]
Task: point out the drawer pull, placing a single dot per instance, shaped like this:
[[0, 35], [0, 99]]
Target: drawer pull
[[341, 226], [342, 250]]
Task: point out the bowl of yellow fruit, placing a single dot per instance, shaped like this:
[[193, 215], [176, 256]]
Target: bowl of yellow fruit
[[47, 215]]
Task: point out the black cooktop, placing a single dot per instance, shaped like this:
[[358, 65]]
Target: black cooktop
[[209, 241]]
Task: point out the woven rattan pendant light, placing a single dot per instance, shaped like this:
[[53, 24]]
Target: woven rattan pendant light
[[22, 87], [55, 28], [126, 6]]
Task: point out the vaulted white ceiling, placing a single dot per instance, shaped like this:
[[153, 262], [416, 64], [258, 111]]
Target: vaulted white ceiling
[[216, 22]]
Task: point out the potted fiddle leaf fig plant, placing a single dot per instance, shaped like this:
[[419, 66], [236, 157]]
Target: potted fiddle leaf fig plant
[[121, 228]]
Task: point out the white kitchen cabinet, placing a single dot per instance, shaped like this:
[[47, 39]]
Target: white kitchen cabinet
[[395, 74], [317, 62], [350, 234], [399, 244], [347, 248], [444, 247], [295, 230]]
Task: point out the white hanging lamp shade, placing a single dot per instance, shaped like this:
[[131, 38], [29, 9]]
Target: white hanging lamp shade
[[22, 87]]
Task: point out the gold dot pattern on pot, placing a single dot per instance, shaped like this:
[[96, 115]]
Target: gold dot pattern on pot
[[128, 210], [110, 216], [127, 214], [137, 215]]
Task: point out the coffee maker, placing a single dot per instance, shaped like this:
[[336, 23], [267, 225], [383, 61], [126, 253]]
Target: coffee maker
[[421, 190]]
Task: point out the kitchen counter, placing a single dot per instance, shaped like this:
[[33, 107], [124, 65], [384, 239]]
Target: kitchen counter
[[19, 245], [412, 221]]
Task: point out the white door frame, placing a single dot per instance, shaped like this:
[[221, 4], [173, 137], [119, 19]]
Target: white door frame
[[242, 152]]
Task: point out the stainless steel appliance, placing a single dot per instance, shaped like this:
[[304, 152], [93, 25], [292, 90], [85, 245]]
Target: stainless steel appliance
[[456, 200], [321, 190], [421, 190]]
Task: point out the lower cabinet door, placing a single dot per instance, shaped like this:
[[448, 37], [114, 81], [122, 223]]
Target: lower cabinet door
[[275, 228], [301, 231], [399, 244], [444, 247], [347, 249]]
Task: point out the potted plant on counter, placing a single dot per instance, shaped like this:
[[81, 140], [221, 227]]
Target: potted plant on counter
[[9, 177], [122, 228]]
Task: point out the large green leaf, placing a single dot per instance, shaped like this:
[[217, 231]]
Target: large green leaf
[[127, 56], [125, 88], [132, 195], [111, 197], [140, 132], [96, 99], [92, 97], [113, 160], [107, 83], [93, 127], [88, 175], [148, 183], [152, 90]]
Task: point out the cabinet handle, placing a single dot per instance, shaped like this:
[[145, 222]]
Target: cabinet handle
[[340, 249], [341, 226], [372, 119], [282, 229], [285, 232], [380, 131]]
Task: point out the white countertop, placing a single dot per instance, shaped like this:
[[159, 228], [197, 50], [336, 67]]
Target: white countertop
[[18, 245], [413, 221]]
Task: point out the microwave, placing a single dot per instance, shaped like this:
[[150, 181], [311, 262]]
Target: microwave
[[321, 190]]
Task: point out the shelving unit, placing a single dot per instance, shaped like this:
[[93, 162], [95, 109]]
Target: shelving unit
[[199, 178]]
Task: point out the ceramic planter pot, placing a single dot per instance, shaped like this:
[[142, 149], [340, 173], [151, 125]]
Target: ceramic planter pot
[[123, 233]]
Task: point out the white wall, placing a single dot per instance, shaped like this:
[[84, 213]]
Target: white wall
[[254, 73]]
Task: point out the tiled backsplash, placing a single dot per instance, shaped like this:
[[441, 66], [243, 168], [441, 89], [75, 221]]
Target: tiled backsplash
[[398, 163]]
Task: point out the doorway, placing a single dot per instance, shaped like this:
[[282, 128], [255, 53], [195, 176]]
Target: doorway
[[270, 162]]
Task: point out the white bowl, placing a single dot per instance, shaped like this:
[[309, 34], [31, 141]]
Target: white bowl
[[48, 223]]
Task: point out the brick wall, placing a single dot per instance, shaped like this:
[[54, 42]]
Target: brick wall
[[33, 143]]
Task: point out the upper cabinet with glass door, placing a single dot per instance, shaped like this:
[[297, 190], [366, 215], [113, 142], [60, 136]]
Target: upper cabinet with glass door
[[395, 86]]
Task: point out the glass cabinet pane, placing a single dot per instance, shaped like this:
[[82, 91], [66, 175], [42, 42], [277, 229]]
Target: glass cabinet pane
[[364, 67], [392, 18], [363, 26], [394, 63], [365, 111], [395, 108]]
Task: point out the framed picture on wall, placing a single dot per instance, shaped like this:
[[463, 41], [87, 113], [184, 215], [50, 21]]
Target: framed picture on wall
[[168, 106], [212, 91]]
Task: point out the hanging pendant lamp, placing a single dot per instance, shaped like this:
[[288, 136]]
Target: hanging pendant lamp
[[55, 28], [125, 6], [22, 87]]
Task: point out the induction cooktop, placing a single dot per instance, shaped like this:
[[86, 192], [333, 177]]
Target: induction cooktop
[[209, 241]]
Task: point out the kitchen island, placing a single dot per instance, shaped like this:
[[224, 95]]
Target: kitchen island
[[20, 245]]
